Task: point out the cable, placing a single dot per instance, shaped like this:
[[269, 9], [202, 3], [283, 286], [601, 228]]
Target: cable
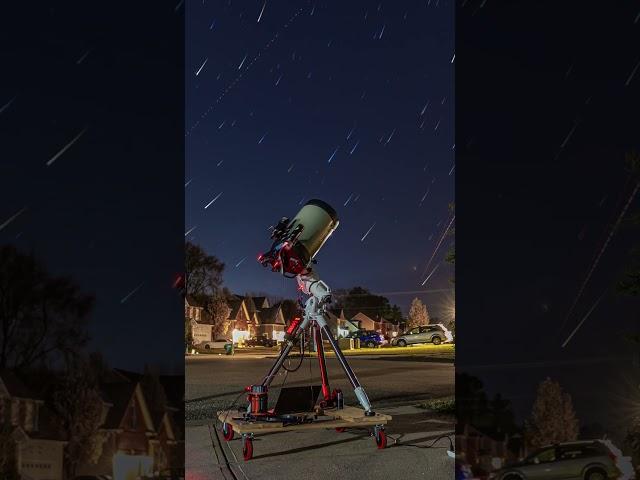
[[447, 436], [301, 355]]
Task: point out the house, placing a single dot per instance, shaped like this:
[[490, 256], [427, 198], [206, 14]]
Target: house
[[363, 321], [387, 329], [139, 429], [486, 449], [201, 330], [164, 398], [130, 428], [39, 447], [193, 309], [271, 323], [339, 325], [242, 323], [382, 325]]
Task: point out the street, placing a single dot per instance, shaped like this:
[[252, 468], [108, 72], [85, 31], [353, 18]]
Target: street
[[395, 385]]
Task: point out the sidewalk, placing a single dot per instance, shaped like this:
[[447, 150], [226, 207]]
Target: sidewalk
[[322, 454]]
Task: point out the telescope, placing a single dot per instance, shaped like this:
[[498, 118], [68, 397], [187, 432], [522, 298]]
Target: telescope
[[296, 242]]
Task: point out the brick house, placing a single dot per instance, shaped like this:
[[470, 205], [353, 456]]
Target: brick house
[[386, 328], [140, 436], [487, 449], [130, 428], [201, 330], [243, 324], [364, 322], [382, 325], [39, 447]]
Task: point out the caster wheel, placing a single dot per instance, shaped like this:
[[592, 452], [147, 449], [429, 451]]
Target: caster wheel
[[381, 439], [340, 429], [227, 432], [247, 448]]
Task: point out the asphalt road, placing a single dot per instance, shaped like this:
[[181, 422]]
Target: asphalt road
[[394, 387], [213, 382]]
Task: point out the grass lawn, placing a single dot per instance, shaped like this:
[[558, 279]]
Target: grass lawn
[[440, 405], [444, 351]]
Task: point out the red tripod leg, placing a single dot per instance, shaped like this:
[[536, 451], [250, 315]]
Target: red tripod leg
[[317, 337]]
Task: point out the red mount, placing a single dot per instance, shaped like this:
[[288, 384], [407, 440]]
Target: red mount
[[257, 401], [283, 258]]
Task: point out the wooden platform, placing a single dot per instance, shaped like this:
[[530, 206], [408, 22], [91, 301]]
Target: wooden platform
[[332, 418]]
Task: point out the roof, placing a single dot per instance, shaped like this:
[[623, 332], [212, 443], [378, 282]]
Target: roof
[[271, 316], [192, 302], [119, 395], [260, 302], [235, 304], [251, 305], [362, 316]]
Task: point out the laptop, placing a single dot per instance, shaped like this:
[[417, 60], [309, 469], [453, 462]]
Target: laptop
[[296, 399]]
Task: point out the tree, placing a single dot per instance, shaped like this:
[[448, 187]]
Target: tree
[[358, 299], [474, 408], [203, 272], [219, 311], [188, 334], [78, 410], [42, 318], [553, 419], [203, 283], [418, 314]]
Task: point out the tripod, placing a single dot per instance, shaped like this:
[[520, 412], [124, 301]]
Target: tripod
[[257, 419], [315, 315]]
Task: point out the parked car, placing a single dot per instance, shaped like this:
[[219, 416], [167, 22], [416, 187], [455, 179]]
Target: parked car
[[261, 341], [584, 460], [435, 334], [217, 343], [368, 338]]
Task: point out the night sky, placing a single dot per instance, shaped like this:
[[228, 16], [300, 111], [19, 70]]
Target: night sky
[[91, 149], [547, 99], [349, 102]]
